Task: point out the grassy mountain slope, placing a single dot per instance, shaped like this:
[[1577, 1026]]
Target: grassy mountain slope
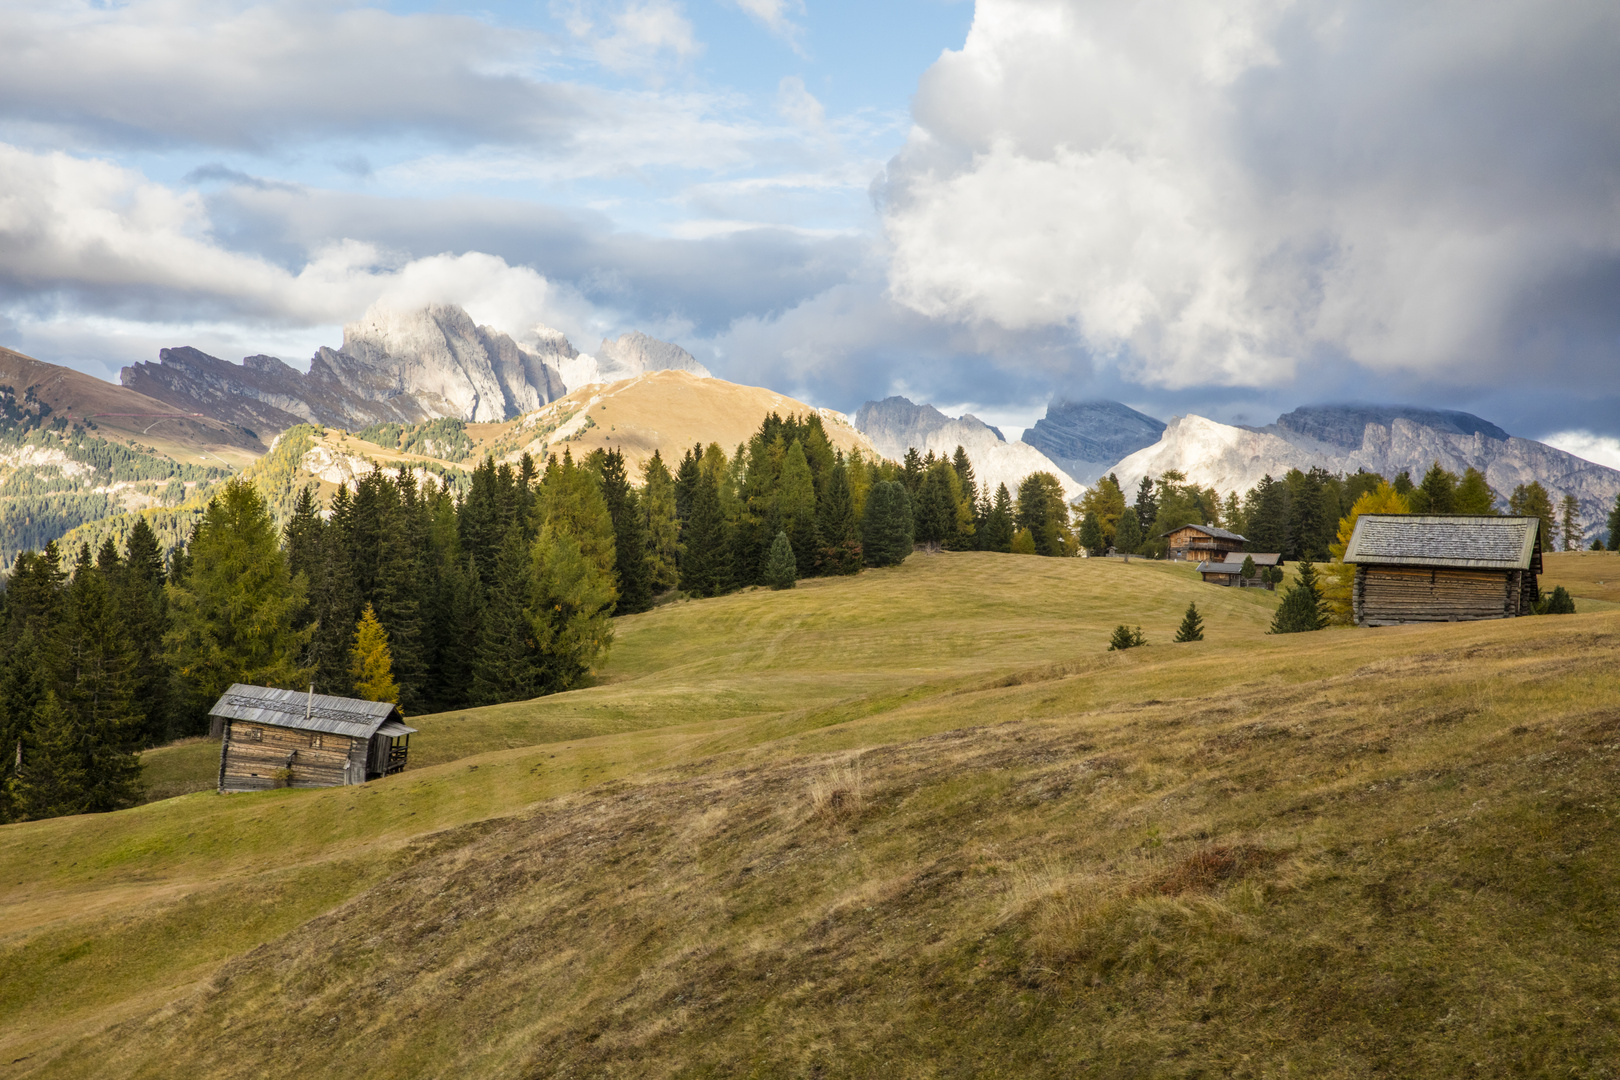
[[913, 823]]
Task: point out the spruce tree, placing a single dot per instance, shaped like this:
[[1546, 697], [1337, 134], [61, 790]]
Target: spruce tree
[[54, 779], [1147, 506], [911, 471], [371, 667], [463, 613], [397, 597], [92, 665], [1301, 607], [686, 478], [705, 562], [1247, 573], [1125, 637], [998, 526], [1570, 522], [886, 527], [1437, 494], [1023, 542], [1474, 494], [1192, 625], [1267, 511], [301, 537], [232, 613], [1128, 540], [1091, 534], [629, 537], [933, 508], [1532, 500], [964, 474], [780, 569], [663, 526], [505, 665], [571, 502], [1614, 525], [144, 612]]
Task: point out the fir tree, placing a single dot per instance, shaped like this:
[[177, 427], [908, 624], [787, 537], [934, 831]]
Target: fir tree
[[1570, 522], [301, 537], [835, 517], [571, 503], [53, 781], [1192, 625], [1043, 512], [964, 475], [1474, 494], [232, 613], [705, 562], [1125, 637], [371, 668], [911, 471], [462, 610], [1247, 573], [663, 526], [933, 508], [780, 568], [144, 612], [92, 664], [998, 525], [1267, 511], [334, 603], [1437, 494], [506, 665], [1614, 525], [1023, 543], [1531, 500], [1557, 602], [1301, 607], [1129, 538], [629, 537], [398, 594], [886, 527], [1091, 534], [1147, 506], [686, 478]]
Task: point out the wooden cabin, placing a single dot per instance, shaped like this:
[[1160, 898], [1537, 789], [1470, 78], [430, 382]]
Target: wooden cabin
[[1443, 567], [1230, 570], [288, 738], [1204, 543]]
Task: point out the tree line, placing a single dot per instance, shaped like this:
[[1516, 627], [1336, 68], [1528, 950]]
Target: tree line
[[436, 595], [1298, 515]]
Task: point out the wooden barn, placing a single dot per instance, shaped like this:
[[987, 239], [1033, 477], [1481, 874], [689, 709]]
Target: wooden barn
[[1230, 570], [1443, 567], [1205, 543], [288, 738]]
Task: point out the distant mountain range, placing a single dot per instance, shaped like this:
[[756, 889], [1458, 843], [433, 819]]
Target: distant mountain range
[[400, 366]]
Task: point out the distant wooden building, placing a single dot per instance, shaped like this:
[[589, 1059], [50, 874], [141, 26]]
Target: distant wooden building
[[1230, 570], [1443, 567], [287, 738], [1202, 542]]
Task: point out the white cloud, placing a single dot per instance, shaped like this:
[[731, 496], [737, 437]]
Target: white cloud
[[776, 16], [140, 252], [1601, 449], [634, 36], [1217, 194]]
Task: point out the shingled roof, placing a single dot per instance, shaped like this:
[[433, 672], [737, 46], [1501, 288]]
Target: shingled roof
[[1493, 543], [1209, 530], [304, 711]]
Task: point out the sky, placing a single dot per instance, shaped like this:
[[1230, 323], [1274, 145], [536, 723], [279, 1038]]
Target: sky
[[1229, 209]]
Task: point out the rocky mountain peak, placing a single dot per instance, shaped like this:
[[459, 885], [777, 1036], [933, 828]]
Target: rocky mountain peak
[[1345, 425], [1086, 437], [896, 424]]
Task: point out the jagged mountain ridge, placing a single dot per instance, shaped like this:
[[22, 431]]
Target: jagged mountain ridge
[[1086, 437], [1230, 458], [396, 365], [896, 424]]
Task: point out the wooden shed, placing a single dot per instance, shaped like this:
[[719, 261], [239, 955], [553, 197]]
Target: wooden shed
[[1443, 567], [288, 738], [1202, 542], [1229, 571]]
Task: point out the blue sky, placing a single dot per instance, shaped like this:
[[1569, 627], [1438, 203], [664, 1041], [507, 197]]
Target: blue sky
[[1230, 209]]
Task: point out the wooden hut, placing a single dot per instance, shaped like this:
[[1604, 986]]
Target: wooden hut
[[1229, 571], [1443, 567], [1205, 543], [288, 738]]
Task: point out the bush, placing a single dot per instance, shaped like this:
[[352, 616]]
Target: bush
[[1125, 637], [1557, 602]]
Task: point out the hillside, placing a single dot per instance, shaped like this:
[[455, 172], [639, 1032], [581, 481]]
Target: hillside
[[912, 823]]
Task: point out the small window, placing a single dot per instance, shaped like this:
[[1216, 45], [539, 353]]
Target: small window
[[315, 738], [252, 734]]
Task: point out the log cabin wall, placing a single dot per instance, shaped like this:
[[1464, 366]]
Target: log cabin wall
[[1387, 595], [253, 756]]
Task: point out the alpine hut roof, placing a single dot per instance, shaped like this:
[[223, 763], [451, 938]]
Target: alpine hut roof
[[1484, 542], [1220, 568], [1209, 530], [308, 712]]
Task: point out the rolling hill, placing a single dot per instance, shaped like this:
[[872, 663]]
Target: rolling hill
[[912, 823]]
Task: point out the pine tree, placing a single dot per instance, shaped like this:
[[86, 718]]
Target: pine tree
[[92, 666], [835, 517], [911, 471], [1614, 525], [1474, 494], [1437, 494], [1557, 602], [1091, 534], [144, 611], [1125, 637], [1267, 511], [232, 613], [886, 527], [506, 664], [53, 781], [780, 568], [301, 537], [463, 613], [1531, 500], [1247, 573], [686, 478], [334, 602], [964, 474], [933, 508], [571, 503], [1043, 512], [663, 526], [1570, 521], [705, 563], [1192, 625], [1147, 506], [998, 526], [1128, 539], [371, 668], [631, 571], [1301, 607], [398, 594]]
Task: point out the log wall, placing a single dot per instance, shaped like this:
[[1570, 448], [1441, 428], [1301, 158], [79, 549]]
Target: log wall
[[1386, 595], [253, 755]]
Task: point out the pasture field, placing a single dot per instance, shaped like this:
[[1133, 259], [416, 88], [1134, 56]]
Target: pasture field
[[913, 823]]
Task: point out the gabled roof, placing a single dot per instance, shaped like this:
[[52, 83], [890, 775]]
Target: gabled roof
[[1220, 568], [1492, 543], [1209, 530], [1260, 558], [304, 711]]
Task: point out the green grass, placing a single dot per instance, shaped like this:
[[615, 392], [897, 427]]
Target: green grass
[[916, 823]]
